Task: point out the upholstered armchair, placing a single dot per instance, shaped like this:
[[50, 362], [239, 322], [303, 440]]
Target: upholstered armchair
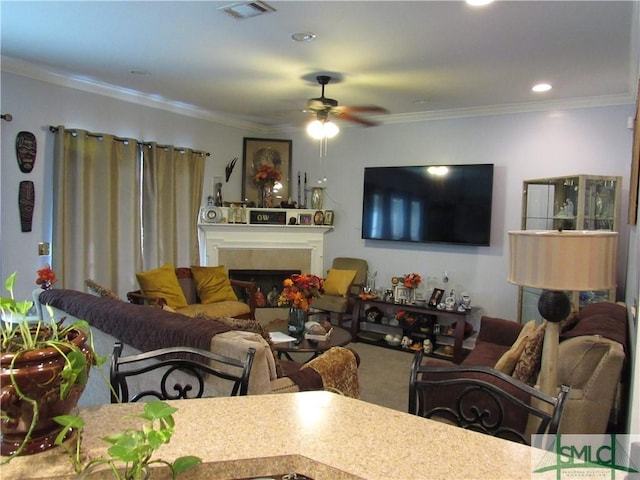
[[345, 278], [195, 290], [591, 358]]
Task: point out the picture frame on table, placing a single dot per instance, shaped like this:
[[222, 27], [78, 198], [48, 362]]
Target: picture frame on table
[[305, 219], [328, 217], [436, 297], [401, 294], [266, 151]]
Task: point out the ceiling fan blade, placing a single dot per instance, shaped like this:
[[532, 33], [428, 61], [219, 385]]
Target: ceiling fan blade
[[364, 108], [352, 118]]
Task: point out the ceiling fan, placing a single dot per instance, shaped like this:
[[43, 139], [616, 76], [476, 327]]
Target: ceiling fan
[[323, 106]]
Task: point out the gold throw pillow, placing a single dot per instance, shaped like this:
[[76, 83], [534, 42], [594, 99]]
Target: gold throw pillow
[[508, 360], [338, 282], [213, 284], [162, 282]]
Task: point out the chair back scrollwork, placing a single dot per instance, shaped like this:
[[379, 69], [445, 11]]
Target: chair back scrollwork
[[184, 373], [483, 399]]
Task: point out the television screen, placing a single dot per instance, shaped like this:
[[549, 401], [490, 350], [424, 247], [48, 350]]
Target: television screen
[[433, 203]]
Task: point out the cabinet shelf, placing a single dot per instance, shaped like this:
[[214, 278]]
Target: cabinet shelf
[[575, 202], [374, 332]]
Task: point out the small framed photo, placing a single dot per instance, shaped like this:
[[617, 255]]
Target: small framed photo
[[436, 297], [401, 294], [318, 218], [304, 219], [328, 217]]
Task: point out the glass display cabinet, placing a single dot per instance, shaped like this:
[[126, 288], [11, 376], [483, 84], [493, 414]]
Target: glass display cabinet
[[575, 202]]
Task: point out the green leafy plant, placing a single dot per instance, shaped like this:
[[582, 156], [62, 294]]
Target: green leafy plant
[[20, 336], [130, 454], [131, 451]]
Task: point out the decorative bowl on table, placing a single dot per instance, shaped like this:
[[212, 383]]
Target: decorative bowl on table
[[393, 340]]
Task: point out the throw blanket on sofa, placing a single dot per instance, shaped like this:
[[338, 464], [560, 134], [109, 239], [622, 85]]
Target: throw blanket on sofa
[[141, 326]]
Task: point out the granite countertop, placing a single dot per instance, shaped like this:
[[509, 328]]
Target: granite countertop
[[319, 434]]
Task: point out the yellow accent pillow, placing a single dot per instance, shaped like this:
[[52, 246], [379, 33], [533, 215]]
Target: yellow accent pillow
[[213, 284], [163, 282], [339, 281], [508, 360]]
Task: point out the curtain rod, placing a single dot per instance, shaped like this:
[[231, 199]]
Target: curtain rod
[[117, 139]]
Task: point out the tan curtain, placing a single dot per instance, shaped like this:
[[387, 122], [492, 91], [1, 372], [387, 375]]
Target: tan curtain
[[172, 189], [96, 226]]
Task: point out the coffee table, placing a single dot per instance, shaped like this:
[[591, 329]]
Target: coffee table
[[339, 338]]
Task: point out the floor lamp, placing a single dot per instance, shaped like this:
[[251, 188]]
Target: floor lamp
[[557, 262]]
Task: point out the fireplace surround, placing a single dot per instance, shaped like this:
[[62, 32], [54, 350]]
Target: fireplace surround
[[263, 247]]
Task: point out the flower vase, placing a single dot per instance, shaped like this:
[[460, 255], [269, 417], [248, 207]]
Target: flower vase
[[317, 198], [295, 324], [265, 196]]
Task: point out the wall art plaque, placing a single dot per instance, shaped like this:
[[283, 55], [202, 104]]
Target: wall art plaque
[[26, 202], [26, 149]]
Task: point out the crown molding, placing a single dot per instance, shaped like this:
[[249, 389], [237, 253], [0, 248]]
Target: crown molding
[[29, 70], [506, 109], [26, 69]]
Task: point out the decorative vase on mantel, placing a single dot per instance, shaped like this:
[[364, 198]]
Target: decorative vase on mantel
[[317, 198], [265, 195], [295, 324]]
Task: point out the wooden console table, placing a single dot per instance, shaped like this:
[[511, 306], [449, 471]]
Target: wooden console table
[[459, 317]]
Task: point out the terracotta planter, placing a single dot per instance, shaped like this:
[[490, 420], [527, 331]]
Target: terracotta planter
[[37, 374]]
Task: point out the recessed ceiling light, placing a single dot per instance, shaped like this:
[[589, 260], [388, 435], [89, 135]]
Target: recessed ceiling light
[[479, 3], [541, 87], [303, 37]]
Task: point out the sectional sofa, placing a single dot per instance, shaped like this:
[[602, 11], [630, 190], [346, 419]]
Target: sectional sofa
[[144, 327]]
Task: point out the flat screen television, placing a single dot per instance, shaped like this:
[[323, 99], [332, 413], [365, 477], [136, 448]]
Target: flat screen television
[[430, 204]]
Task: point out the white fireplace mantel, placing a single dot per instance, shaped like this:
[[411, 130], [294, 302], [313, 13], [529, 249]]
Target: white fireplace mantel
[[256, 245]]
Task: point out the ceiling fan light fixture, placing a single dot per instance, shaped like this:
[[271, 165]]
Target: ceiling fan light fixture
[[319, 129], [330, 129]]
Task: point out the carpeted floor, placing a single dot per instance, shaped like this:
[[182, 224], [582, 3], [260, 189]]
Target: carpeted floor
[[383, 375]]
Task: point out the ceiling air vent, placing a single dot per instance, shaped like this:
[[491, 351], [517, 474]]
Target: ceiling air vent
[[243, 10]]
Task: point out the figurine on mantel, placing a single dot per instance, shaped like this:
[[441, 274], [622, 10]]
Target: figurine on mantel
[[218, 200]]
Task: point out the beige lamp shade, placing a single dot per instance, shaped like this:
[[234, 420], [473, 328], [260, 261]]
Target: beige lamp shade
[[563, 260]]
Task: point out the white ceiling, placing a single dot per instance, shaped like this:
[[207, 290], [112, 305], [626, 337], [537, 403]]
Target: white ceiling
[[415, 58]]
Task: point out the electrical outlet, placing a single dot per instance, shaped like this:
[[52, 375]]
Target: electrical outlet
[[43, 249]]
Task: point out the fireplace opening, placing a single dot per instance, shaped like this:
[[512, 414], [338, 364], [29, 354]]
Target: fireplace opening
[[269, 283]]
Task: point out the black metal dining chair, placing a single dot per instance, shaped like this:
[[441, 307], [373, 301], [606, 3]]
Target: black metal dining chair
[[482, 399], [184, 367]]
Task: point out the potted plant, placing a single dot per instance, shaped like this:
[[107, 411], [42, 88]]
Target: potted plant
[[131, 451], [44, 367]]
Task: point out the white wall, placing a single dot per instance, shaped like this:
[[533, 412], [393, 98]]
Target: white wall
[[523, 146], [531, 145], [35, 106]]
